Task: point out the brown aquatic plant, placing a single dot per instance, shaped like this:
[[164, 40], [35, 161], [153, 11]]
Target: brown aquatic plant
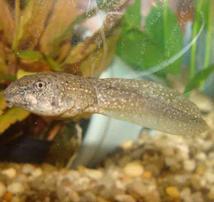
[[40, 35]]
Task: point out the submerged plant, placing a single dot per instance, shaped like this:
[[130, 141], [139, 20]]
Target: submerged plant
[[201, 63], [146, 46], [154, 44]]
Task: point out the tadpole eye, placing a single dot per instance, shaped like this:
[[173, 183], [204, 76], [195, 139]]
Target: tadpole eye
[[40, 85]]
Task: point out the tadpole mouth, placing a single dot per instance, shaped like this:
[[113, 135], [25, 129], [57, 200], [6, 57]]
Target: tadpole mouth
[[14, 95], [10, 97], [14, 102], [9, 104], [7, 99]]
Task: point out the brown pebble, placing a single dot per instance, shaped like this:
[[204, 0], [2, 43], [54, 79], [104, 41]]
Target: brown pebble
[[16, 188], [197, 197], [16, 199], [133, 169], [124, 198], [73, 196], [152, 196], [10, 172], [94, 174], [28, 169], [88, 196], [189, 165], [136, 188], [211, 193], [186, 194], [36, 173], [127, 145], [100, 199], [147, 174], [2, 189], [173, 192], [7, 197]]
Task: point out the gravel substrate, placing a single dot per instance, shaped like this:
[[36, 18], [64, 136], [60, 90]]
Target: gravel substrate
[[155, 169]]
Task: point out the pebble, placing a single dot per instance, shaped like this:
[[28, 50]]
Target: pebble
[[10, 172], [209, 176], [211, 155], [136, 188], [8, 197], [16, 188], [88, 196], [189, 165], [168, 151], [200, 170], [94, 174], [152, 196], [202, 102], [180, 179], [127, 145], [74, 196], [201, 156], [124, 198], [197, 197], [147, 174], [2, 189], [173, 192], [133, 169], [186, 194], [36, 173], [171, 162], [28, 169], [198, 182], [100, 199], [211, 193], [16, 199]]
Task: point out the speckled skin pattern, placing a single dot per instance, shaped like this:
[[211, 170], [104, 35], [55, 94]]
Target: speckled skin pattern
[[139, 101]]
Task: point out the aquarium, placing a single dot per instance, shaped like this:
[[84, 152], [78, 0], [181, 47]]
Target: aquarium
[[107, 100]]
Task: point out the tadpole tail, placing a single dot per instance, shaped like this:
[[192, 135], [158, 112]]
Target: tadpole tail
[[149, 104]]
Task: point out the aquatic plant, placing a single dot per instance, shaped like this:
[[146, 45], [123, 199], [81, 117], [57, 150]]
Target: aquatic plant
[[154, 44], [51, 36]]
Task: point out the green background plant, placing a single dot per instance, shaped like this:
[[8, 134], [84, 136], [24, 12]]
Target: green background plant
[[161, 37]]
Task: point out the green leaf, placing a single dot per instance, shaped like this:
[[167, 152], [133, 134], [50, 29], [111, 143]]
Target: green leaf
[[3, 104], [196, 26], [53, 64], [7, 77], [199, 78], [160, 40], [203, 10], [132, 17], [10, 117], [30, 23], [20, 73], [29, 55], [138, 50], [163, 28]]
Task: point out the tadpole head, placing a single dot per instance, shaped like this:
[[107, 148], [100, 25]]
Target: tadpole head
[[38, 93]]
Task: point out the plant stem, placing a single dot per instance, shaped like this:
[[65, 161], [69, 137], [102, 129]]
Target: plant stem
[[195, 28], [102, 5], [165, 20], [17, 16], [209, 34], [210, 31]]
